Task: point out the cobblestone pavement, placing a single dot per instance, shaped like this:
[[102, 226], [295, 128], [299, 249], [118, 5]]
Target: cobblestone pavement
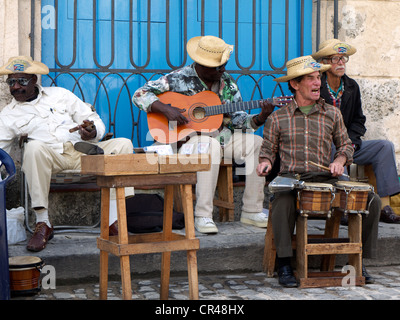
[[244, 286]]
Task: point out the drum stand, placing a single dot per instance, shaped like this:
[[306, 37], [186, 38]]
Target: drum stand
[[329, 245]]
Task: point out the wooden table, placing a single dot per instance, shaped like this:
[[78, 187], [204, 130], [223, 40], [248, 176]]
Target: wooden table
[[138, 170]]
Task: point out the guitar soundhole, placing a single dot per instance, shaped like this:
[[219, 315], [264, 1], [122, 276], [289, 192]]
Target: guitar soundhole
[[198, 113]]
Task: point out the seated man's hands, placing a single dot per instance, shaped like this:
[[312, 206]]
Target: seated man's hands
[[264, 167], [87, 130]]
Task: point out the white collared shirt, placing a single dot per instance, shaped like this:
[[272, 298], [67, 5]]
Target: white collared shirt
[[48, 118]]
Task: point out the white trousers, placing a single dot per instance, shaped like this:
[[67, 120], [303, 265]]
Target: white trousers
[[243, 148], [41, 161]]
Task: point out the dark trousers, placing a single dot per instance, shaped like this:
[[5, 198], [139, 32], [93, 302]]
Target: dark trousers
[[283, 214]]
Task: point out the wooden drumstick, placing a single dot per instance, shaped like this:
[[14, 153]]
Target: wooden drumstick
[[325, 168]]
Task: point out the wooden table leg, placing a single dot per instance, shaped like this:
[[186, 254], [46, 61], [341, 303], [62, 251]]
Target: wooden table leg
[[167, 236], [105, 208], [186, 191], [123, 239], [193, 275]]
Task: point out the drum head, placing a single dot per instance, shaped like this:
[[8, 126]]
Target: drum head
[[24, 261], [316, 186], [352, 185]]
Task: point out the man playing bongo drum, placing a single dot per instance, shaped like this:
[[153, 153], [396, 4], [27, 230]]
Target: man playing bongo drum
[[303, 132]]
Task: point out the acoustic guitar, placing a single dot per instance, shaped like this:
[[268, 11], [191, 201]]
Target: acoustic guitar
[[204, 112]]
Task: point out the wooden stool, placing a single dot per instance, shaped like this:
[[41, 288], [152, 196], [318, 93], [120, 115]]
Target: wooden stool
[[124, 245], [328, 262], [225, 193], [327, 245], [363, 173], [134, 170], [224, 201]]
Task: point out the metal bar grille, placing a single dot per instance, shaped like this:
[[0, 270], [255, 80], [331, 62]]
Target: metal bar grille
[[255, 62]]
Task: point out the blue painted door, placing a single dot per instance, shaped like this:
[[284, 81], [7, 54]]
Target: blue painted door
[[103, 50]]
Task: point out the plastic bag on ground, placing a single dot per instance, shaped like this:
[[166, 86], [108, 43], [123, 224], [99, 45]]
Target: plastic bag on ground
[[15, 225]]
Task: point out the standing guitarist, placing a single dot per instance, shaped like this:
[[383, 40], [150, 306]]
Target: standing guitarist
[[207, 73]]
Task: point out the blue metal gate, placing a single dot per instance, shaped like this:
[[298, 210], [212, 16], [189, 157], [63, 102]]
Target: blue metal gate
[[103, 50]]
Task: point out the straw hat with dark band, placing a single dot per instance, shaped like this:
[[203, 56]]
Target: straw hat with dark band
[[23, 64], [333, 46], [209, 51], [302, 66]]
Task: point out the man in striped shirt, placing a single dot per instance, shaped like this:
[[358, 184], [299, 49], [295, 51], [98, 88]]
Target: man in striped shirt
[[303, 132]]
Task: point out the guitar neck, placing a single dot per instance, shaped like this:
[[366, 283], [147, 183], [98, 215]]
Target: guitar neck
[[234, 107]]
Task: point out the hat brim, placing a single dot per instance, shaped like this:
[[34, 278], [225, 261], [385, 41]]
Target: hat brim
[[302, 72], [30, 67], [191, 48]]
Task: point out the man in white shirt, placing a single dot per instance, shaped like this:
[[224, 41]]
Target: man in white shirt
[[46, 115]]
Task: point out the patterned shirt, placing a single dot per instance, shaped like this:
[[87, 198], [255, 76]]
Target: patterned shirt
[[301, 138], [187, 82], [336, 96]]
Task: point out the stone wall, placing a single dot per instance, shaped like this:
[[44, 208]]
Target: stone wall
[[372, 27]]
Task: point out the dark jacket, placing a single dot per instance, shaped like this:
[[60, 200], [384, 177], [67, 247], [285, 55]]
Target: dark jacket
[[350, 107]]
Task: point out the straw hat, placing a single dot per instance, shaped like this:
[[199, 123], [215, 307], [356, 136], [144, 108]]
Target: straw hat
[[302, 66], [209, 51], [333, 46], [23, 64]]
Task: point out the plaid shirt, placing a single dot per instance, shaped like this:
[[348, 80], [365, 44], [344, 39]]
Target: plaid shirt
[[300, 138]]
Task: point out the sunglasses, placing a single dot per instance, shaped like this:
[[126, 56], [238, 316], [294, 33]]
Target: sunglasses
[[21, 81]]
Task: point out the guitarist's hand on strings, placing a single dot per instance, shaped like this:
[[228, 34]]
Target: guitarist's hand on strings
[[170, 112], [266, 109]]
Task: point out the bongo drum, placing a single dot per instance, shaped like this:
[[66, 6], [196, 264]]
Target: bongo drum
[[315, 197], [353, 196], [25, 274]]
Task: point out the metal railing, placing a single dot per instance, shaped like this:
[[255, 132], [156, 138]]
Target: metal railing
[[251, 70]]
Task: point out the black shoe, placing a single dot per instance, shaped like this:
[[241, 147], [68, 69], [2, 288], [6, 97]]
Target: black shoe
[[368, 278], [388, 215], [88, 148], [286, 277]]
